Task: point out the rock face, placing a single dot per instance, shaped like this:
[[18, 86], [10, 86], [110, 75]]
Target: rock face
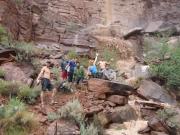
[[16, 73], [74, 22], [101, 86], [63, 128], [123, 114], [120, 100], [151, 90]]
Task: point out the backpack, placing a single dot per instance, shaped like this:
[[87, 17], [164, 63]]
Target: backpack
[[67, 68]]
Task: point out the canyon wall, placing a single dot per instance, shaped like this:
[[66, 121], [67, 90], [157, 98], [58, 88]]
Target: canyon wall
[[73, 22]]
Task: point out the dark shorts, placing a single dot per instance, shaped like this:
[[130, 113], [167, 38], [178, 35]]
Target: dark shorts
[[46, 84], [70, 76]]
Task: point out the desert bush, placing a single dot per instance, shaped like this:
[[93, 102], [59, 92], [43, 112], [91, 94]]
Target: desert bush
[[15, 119], [3, 34], [72, 110], [156, 49], [23, 92], [25, 51], [111, 56], [8, 88], [72, 54], [88, 130], [2, 73], [170, 116], [169, 70], [36, 64], [84, 61], [28, 94]]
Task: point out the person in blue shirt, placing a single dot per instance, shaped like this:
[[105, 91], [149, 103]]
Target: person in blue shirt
[[92, 69], [71, 69]]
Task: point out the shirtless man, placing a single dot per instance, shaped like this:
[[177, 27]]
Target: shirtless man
[[44, 77], [102, 64]]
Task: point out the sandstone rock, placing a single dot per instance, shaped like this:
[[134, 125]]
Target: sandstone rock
[[151, 90], [136, 30], [122, 114], [158, 133], [110, 103], [157, 125], [153, 26], [63, 127], [15, 73], [120, 100], [102, 96], [141, 71], [103, 86], [6, 55], [93, 110]]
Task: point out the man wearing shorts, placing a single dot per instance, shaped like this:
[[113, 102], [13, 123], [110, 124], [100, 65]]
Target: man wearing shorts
[[45, 76]]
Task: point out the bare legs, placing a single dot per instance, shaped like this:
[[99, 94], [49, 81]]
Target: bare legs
[[42, 99], [52, 97]]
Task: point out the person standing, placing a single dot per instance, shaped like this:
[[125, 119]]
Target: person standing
[[45, 78], [63, 64], [92, 69], [79, 74], [71, 68]]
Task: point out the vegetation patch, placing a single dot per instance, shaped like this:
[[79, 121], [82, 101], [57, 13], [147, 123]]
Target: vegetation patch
[[169, 70], [2, 73], [74, 111], [72, 54], [28, 94], [15, 119], [171, 116], [110, 55], [23, 92], [8, 88]]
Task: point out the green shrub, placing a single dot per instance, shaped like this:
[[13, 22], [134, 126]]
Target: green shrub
[[72, 110], [89, 130], [84, 62], [28, 94], [22, 91], [3, 34], [2, 73], [36, 64], [15, 119], [111, 56], [8, 88], [72, 54], [25, 51], [156, 49], [170, 116], [169, 70]]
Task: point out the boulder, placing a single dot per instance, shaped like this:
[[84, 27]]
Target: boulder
[[122, 114], [157, 125], [162, 27], [153, 26], [101, 86], [141, 71], [133, 31], [151, 90], [6, 55], [63, 127], [15, 73], [158, 133], [120, 100]]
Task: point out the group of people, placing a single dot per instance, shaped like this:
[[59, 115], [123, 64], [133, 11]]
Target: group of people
[[71, 71]]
